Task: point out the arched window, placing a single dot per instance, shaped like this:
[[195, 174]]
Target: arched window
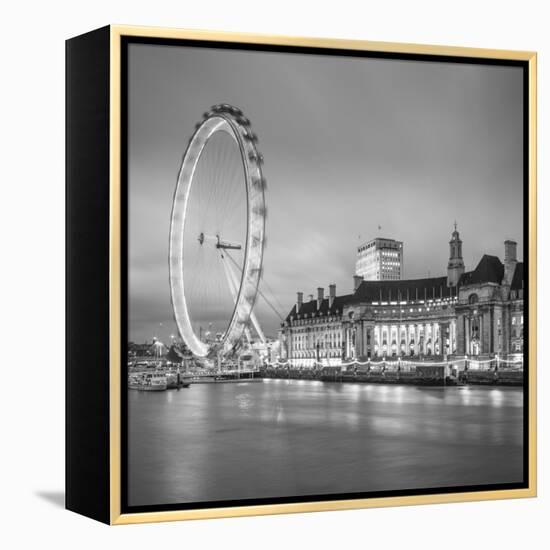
[[473, 299]]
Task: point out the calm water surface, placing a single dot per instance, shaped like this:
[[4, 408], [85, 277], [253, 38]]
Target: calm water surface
[[293, 437]]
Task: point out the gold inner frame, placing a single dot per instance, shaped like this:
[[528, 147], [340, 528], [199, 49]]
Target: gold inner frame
[[118, 31]]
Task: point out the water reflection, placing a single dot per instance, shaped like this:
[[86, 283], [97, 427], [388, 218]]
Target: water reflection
[[285, 437]]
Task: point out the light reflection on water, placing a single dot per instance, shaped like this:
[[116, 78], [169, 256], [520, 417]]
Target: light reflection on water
[[286, 437]]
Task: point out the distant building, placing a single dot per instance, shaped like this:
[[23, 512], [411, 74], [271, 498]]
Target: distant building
[[380, 260], [477, 313], [140, 350]]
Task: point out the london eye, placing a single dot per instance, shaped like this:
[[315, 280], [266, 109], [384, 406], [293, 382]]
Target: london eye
[[217, 234]]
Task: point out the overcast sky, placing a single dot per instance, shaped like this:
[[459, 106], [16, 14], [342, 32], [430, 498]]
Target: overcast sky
[[349, 144]]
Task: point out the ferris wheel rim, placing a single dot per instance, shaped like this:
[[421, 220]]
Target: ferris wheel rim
[[222, 118]]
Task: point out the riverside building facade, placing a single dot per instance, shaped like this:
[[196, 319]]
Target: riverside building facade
[[478, 313]]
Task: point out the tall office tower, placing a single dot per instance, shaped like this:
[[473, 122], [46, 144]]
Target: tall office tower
[[380, 260]]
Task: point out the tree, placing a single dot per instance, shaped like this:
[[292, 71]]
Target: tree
[[174, 355]]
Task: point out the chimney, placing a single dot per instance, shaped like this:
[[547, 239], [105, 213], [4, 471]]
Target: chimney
[[320, 297], [510, 251], [310, 298], [331, 294], [357, 280], [510, 261], [299, 301]]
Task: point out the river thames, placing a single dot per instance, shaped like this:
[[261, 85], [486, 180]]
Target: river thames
[[280, 438]]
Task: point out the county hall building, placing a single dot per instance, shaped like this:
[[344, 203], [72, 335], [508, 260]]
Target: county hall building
[[477, 313]]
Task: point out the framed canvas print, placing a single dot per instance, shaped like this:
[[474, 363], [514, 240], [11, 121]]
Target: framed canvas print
[[301, 274]]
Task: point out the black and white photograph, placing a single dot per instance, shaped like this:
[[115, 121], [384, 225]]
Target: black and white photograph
[[274, 275], [325, 275]]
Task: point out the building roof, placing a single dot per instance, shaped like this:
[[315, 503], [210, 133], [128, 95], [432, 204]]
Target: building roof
[[379, 291], [408, 289], [309, 308], [489, 270], [517, 279]]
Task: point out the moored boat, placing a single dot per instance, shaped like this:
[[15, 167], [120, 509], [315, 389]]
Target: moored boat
[[147, 381]]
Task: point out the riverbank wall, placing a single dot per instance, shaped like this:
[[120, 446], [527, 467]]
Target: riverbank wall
[[435, 378]]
